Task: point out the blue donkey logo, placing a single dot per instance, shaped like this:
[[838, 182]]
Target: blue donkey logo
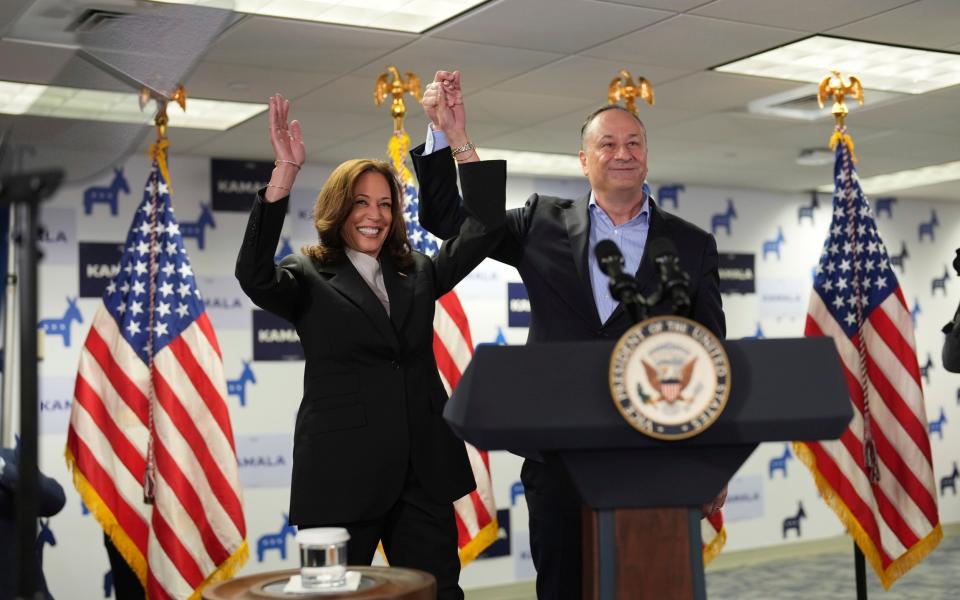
[[940, 283], [896, 260], [794, 521], [669, 192], [61, 326], [806, 211], [926, 229], [196, 229], [238, 387], [884, 205], [773, 246], [937, 426], [779, 463], [723, 219], [278, 541], [106, 195]]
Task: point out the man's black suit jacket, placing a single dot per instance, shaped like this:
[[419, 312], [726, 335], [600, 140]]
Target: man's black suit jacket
[[373, 397], [547, 239]]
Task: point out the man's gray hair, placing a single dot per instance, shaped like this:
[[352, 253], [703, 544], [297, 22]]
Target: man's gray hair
[[596, 113]]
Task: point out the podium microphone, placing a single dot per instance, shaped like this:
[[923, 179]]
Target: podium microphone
[[674, 281], [622, 286]]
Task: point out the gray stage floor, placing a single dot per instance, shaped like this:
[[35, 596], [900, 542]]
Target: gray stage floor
[[828, 576]]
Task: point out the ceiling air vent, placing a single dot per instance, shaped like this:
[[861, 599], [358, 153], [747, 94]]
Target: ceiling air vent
[[92, 19]]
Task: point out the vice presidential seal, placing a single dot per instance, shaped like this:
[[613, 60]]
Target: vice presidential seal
[[669, 377]]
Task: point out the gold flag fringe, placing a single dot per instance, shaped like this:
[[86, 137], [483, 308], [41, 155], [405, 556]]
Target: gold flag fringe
[[712, 550], [125, 546], [898, 567], [480, 542], [91, 499]]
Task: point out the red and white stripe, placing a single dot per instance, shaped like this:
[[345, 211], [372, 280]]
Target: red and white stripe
[[896, 520], [713, 536], [195, 528], [476, 513]]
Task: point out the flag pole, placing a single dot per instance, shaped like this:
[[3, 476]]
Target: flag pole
[[861, 572], [158, 152], [838, 87], [25, 191]]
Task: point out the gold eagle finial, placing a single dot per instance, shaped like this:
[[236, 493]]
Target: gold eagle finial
[[160, 120], [623, 88], [835, 85], [396, 88]]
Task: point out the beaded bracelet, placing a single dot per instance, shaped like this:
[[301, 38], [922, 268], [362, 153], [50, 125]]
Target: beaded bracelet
[[277, 162], [279, 187]]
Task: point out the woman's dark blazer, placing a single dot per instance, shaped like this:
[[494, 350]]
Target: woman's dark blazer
[[372, 397]]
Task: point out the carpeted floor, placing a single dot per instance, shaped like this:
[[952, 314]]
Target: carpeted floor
[[829, 576]]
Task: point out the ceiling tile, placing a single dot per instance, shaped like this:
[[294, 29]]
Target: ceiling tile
[[514, 108], [301, 46], [735, 128], [931, 113], [573, 24], [810, 15], [924, 24], [710, 91], [693, 42], [482, 65], [674, 5], [248, 84], [29, 63], [584, 77]]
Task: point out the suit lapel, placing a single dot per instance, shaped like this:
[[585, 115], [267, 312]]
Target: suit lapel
[[647, 272], [399, 289], [346, 280], [577, 220]]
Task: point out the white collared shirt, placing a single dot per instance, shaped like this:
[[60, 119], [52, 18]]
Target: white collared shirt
[[370, 271]]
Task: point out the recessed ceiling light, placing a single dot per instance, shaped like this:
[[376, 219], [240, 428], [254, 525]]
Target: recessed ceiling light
[[413, 16], [801, 104], [904, 180], [878, 66], [814, 157], [118, 107]]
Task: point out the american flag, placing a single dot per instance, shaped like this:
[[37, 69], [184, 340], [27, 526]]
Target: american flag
[[149, 411], [476, 513], [878, 477]]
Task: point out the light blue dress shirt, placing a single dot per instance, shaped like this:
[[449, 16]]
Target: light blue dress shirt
[[630, 237]]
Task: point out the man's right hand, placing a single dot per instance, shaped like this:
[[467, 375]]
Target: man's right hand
[[443, 104]]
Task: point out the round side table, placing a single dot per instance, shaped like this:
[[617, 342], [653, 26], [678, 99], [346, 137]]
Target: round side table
[[376, 583]]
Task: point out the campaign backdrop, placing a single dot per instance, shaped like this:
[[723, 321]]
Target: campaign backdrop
[[769, 243]]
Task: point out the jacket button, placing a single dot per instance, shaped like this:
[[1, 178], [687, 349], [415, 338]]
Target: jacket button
[[395, 365]]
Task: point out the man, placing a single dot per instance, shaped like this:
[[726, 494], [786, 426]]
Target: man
[[50, 501], [550, 241], [951, 343]]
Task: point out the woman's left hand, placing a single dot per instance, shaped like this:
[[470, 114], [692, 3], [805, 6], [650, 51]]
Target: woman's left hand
[[289, 153]]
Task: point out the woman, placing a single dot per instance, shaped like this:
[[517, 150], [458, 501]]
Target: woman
[[372, 452]]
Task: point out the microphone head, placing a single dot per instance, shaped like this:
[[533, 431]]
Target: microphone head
[[608, 255], [661, 247]]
